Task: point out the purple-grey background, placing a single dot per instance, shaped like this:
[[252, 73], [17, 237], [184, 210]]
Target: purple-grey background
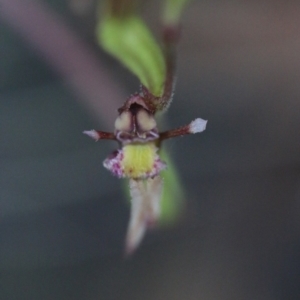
[[63, 217]]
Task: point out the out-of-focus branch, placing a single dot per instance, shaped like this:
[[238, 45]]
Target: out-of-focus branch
[[66, 53]]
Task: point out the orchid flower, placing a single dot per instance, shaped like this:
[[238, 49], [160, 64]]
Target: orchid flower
[[137, 157]]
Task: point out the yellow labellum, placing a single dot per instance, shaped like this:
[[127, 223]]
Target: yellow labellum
[[138, 160]]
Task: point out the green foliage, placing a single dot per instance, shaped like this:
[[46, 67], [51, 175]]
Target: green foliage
[[172, 202], [129, 40]]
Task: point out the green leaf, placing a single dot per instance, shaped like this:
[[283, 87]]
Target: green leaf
[[129, 40], [172, 202]]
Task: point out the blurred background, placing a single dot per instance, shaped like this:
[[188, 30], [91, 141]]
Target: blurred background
[[63, 217]]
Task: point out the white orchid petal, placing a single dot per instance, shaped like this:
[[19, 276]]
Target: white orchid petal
[[145, 209], [154, 192], [197, 125], [92, 134], [137, 224]]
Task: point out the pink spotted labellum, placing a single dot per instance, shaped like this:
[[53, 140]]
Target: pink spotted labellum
[[137, 158]]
